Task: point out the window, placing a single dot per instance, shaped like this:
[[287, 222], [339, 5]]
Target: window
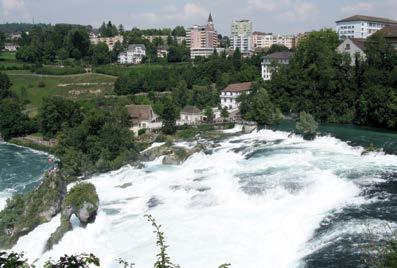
[[347, 47]]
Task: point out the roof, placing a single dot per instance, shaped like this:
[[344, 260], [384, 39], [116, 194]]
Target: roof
[[359, 42], [140, 112], [240, 87], [191, 110], [368, 18], [285, 55], [261, 33], [389, 31], [134, 46]]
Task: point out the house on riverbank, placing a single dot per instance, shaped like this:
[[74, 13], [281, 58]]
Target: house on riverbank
[[143, 117], [230, 94], [190, 115]]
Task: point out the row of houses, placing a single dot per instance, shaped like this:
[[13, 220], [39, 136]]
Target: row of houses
[[143, 116]]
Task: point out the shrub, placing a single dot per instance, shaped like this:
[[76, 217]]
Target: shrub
[[41, 83], [141, 131]]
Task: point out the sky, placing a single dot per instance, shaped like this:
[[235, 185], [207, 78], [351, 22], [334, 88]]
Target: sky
[[277, 16]]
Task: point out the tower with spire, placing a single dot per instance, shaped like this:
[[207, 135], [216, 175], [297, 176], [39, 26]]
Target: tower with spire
[[210, 23]]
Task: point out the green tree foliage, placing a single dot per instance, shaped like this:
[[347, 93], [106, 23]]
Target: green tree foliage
[[306, 125], [100, 54], [101, 142], [12, 121], [277, 48], [2, 40], [57, 113], [179, 31], [209, 113], [237, 59], [257, 106], [108, 30], [224, 113], [181, 94], [5, 85], [169, 116]]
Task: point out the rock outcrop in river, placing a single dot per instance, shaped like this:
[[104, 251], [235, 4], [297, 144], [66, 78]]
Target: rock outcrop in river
[[81, 201]]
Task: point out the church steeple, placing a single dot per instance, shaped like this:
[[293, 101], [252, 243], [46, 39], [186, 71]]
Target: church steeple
[[210, 24], [210, 20]]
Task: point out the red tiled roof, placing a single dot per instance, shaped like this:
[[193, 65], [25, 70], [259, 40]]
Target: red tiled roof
[[240, 87]]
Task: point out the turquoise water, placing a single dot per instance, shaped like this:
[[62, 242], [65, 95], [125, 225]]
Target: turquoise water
[[354, 135], [20, 170]]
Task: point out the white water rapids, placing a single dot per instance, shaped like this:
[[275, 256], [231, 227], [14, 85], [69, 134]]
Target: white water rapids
[[255, 202]]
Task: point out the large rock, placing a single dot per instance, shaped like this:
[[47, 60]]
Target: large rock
[[82, 201]]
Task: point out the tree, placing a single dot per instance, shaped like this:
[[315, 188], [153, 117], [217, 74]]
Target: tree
[[306, 125], [12, 121], [100, 54], [180, 93], [277, 48], [5, 85], [257, 106], [57, 113], [2, 40], [169, 116], [224, 113], [78, 43], [209, 114], [236, 59], [179, 31], [109, 30]]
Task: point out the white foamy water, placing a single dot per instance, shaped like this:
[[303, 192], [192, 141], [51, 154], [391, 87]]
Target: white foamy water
[[255, 202]]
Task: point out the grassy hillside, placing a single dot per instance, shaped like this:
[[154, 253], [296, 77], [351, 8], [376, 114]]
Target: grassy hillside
[[32, 88]]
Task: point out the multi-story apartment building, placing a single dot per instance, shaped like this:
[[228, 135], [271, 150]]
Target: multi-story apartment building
[[278, 58], [266, 40], [133, 55], [110, 41], [360, 26], [241, 27], [202, 40], [241, 36]]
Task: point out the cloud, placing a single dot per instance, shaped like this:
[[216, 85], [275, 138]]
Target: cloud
[[189, 12], [301, 11], [285, 9], [267, 5], [10, 5], [358, 7]]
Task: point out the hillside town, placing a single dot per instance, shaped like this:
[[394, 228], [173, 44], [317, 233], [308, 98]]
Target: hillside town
[[203, 41]]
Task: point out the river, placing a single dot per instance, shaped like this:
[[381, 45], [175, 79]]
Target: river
[[259, 200]]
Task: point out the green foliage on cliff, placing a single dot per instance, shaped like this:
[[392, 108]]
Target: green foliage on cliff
[[25, 212], [81, 193]]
